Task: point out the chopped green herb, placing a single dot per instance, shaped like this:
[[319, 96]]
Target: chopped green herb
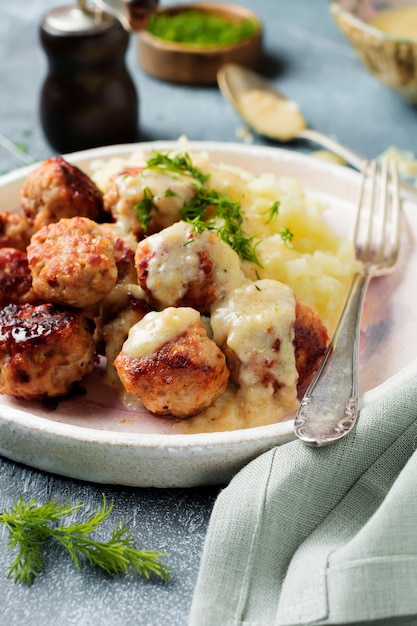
[[200, 27], [208, 209], [144, 208], [169, 193], [286, 235], [31, 526], [180, 164], [273, 211], [21, 147]]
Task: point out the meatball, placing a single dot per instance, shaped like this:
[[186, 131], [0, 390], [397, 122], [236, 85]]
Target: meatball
[[15, 230], [145, 201], [268, 337], [170, 363], [126, 289], [72, 263], [116, 331], [43, 350], [57, 189], [255, 328], [310, 341], [15, 278], [180, 267], [124, 247]]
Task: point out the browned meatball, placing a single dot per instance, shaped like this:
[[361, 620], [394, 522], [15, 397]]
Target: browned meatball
[[310, 344], [145, 201], [124, 247], [180, 267], [43, 350], [126, 289], [15, 230], [171, 364], [310, 340], [72, 263], [57, 189], [15, 278], [269, 338], [115, 333]]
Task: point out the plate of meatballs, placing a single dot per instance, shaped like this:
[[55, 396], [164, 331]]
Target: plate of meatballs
[[146, 336]]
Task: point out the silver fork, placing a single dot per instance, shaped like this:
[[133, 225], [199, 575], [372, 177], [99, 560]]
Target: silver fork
[[329, 408]]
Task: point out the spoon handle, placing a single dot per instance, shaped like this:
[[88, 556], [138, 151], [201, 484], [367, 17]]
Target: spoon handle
[[407, 191], [329, 408], [347, 154]]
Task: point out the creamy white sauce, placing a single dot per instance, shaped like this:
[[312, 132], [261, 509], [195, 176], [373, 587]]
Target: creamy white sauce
[[271, 115], [243, 408], [176, 263], [242, 321], [257, 323], [156, 329], [170, 191], [180, 189]]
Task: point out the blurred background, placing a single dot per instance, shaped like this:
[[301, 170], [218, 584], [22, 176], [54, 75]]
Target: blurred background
[[306, 56]]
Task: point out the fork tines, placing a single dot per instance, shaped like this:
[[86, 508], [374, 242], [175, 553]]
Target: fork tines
[[377, 227]]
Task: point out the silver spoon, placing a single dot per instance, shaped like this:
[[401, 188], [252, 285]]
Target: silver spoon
[[270, 113], [273, 115]]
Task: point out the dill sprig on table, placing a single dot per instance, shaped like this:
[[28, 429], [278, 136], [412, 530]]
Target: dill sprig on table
[[31, 526]]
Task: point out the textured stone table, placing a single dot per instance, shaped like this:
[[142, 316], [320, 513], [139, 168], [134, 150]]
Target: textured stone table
[[308, 58]]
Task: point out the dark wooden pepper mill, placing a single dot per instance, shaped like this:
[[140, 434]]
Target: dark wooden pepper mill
[[88, 98]]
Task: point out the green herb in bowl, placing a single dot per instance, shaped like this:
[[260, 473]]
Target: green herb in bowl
[[200, 28]]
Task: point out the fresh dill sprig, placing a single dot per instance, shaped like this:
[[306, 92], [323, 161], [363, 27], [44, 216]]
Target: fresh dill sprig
[[272, 211], [179, 164], [144, 209], [286, 235], [208, 209], [31, 526]]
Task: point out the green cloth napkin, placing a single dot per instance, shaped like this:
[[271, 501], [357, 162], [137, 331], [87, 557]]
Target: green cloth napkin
[[327, 535]]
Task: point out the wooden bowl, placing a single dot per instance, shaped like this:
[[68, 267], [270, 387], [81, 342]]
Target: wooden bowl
[[392, 60], [195, 64]]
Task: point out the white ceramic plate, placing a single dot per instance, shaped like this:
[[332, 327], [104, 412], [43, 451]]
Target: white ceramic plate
[[93, 438]]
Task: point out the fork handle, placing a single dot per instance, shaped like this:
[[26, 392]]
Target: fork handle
[[329, 408]]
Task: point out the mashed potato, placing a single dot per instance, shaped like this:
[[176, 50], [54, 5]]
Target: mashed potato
[[315, 263]]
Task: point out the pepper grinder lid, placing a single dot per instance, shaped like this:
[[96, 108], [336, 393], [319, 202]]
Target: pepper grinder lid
[[78, 19]]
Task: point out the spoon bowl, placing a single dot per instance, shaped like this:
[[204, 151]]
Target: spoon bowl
[[272, 114], [264, 108]]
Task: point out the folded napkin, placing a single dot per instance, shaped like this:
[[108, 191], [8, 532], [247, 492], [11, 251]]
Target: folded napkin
[[317, 536]]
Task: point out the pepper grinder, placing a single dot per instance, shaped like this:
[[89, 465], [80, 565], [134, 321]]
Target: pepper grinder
[[88, 98]]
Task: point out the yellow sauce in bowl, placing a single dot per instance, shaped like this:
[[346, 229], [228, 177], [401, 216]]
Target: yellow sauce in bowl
[[400, 21]]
